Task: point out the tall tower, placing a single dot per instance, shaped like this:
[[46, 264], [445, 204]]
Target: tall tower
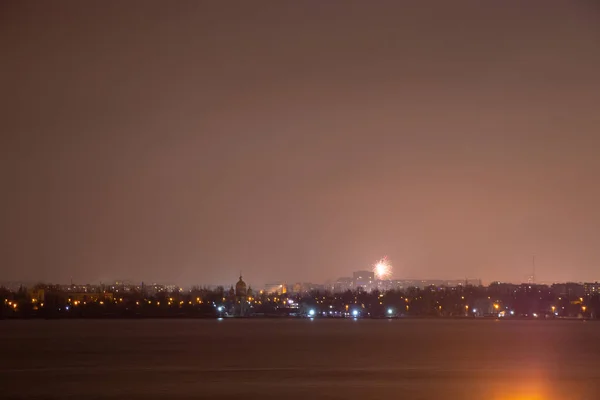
[[241, 295], [531, 278]]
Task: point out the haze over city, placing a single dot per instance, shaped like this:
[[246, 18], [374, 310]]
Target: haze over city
[[299, 143]]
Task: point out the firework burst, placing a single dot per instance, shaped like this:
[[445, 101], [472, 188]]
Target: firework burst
[[383, 269]]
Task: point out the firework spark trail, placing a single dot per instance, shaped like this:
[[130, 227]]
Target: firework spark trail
[[382, 268]]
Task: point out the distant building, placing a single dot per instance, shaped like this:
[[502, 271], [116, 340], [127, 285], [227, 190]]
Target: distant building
[[500, 288], [300, 287], [364, 280], [278, 288], [308, 286], [243, 295], [398, 284], [173, 288], [591, 289], [154, 289], [38, 294], [86, 296], [569, 289], [342, 285], [83, 297], [383, 285]]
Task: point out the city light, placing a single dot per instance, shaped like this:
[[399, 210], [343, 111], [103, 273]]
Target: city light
[[372, 302], [382, 269]]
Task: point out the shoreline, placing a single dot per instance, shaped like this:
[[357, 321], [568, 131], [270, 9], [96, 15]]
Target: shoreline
[[274, 317]]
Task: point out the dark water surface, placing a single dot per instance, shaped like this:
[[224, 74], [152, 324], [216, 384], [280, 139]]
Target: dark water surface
[[299, 359]]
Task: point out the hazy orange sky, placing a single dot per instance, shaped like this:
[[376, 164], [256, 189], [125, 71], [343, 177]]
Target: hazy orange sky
[[299, 141]]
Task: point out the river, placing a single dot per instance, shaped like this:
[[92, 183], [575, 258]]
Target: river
[[299, 359]]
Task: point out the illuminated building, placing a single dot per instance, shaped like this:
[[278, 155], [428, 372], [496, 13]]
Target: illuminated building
[[384, 285], [364, 280], [297, 288], [275, 288], [591, 289], [37, 294]]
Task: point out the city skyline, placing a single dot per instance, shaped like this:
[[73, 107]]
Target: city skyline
[[328, 284], [297, 141]]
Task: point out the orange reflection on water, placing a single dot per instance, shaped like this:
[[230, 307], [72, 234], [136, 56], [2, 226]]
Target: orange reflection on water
[[521, 395], [533, 389]]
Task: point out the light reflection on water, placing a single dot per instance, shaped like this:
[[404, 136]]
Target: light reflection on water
[[533, 390], [349, 359]]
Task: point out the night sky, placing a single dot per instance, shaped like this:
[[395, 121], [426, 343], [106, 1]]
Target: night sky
[[298, 141]]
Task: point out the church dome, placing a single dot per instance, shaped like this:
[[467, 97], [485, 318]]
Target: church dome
[[240, 287]]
